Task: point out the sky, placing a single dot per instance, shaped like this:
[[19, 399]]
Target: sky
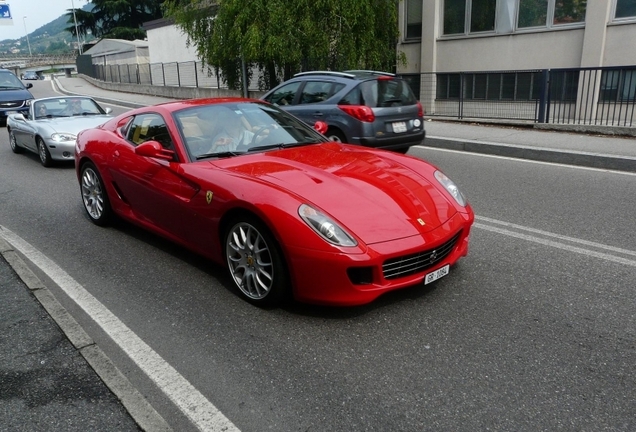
[[37, 12]]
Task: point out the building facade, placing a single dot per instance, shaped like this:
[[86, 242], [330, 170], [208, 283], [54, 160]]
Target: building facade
[[499, 50]]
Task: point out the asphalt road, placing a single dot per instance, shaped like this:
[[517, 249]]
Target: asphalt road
[[534, 330]]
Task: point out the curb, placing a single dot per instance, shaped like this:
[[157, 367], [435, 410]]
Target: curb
[[592, 160], [146, 417]]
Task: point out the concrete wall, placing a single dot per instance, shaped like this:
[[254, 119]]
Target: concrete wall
[[169, 44]]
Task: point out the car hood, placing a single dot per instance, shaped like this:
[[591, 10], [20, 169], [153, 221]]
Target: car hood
[[73, 125], [14, 95], [372, 195]]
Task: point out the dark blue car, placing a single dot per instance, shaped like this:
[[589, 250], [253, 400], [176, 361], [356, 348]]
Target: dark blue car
[[14, 96]]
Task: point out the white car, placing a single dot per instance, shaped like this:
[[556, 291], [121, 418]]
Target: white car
[[51, 125]]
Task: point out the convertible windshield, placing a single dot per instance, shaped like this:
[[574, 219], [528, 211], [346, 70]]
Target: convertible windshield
[[66, 107], [230, 129]]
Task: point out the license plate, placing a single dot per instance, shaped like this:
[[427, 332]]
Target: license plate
[[399, 127], [433, 276]]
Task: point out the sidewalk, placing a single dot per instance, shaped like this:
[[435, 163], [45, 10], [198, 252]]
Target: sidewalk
[[53, 376], [514, 140]]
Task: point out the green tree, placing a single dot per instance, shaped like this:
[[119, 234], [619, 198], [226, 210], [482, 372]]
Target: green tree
[[117, 19], [286, 36]]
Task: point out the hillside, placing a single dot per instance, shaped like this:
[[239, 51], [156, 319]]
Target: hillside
[[50, 38]]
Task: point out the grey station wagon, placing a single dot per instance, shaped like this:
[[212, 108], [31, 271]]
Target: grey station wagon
[[374, 109]]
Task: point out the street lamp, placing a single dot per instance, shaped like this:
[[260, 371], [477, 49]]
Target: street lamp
[[27, 34], [79, 44]]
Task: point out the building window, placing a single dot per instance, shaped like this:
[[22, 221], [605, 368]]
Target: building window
[[463, 17], [625, 9], [482, 16], [454, 17], [618, 86], [496, 86], [413, 19], [533, 13], [569, 12]]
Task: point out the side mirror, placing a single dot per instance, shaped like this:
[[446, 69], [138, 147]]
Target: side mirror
[[154, 150], [321, 127], [19, 117], [29, 85], [108, 110]]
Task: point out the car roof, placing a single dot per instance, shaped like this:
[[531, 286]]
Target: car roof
[[357, 74]]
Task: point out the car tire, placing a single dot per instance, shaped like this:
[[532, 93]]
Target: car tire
[[94, 196], [45, 155], [15, 148], [335, 135], [255, 262]]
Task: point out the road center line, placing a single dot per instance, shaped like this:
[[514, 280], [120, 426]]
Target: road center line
[[557, 245], [558, 236], [203, 414]]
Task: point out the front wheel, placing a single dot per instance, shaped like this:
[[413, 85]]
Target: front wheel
[[15, 148], [255, 262], [94, 196], [45, 155]]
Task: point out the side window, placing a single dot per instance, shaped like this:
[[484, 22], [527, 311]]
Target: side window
[[148, 127], [284, 95], [315, 91]]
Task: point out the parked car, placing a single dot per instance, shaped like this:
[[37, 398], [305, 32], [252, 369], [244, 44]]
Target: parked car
[[374, 109], [30, 75], [50, 126], [14, 96], [255, 189]]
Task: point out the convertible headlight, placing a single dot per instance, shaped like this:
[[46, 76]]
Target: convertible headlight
[[451, 188], [325, 226], [62, 137]]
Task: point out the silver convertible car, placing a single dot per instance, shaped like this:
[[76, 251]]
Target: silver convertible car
[[52, 124]]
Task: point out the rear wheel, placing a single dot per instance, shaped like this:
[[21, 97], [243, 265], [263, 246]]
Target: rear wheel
[[15, 148], [94, 195], [45, 155], [255, 262], [335, 135]]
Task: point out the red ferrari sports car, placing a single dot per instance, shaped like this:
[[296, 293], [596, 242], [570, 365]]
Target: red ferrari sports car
[[288, 212]]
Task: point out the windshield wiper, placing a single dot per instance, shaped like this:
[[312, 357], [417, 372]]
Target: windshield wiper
[[219, 155], [279, 146]]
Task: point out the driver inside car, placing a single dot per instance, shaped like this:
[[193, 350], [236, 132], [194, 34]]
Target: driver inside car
[[232, 134]]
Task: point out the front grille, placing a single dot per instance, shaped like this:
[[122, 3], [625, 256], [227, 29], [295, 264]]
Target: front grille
[[411, 264], [11, 104]]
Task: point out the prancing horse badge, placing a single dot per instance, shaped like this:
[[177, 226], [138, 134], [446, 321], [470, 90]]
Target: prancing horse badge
[[208, 196]]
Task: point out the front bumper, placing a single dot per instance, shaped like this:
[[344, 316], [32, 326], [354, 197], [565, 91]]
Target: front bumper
[[61, 151], [325, 278]]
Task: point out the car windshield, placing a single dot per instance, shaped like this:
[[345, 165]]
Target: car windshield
[[9, 81], [66, 107], [230, 129]]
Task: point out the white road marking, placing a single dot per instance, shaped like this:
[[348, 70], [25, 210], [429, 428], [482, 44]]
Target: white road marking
[[558, 245], [203, 414], [557, 236], [580, 167]]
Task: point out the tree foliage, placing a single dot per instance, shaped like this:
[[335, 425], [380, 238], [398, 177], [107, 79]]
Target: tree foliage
[[117, 19], [285, 36]]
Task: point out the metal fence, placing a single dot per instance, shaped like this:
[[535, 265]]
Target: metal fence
[[184, 74], [587, 96]]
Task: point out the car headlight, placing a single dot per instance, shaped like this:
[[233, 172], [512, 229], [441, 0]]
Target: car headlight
[[451, 188], [62, 137], [28, 102], [325, 227]]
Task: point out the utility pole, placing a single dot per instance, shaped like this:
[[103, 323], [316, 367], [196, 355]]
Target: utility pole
[[79, 44], [27, 35]]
